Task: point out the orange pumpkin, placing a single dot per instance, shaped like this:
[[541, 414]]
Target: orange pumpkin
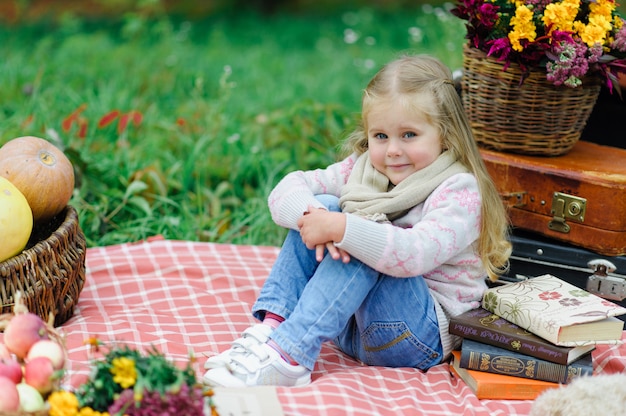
[[42, 173]]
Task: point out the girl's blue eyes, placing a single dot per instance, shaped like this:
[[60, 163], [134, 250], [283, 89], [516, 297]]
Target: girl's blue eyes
[[406, 135]]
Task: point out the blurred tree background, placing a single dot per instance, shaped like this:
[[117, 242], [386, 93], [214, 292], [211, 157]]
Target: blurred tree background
[[16, 11]]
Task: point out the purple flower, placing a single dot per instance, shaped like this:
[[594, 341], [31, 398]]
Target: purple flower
[[488, 15], [619, 43], [500, 48], [188, 401], [481, 19], [569, 60]]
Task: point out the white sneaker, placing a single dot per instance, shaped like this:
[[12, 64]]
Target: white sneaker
[[260, 365], [255, 335]]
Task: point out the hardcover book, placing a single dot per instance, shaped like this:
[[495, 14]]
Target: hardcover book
[[484, 326], [557, 311], [498, 386], [487, 358]]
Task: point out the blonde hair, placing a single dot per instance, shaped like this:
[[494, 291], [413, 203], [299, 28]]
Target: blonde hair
[[409, 77]]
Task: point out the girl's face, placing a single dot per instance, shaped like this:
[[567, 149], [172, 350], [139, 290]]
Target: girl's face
[[401, 141]]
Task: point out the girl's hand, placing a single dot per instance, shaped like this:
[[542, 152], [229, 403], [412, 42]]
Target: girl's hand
[[319, 229], [335, 252]]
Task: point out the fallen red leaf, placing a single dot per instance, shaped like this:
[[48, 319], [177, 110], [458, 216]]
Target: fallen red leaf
[[66, 124], [137, 117], [108, 118], [121, 125], [82, 127]]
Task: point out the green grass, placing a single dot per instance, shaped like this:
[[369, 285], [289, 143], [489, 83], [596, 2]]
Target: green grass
[[229, 105]]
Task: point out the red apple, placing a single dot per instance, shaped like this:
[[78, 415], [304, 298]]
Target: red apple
[[39, 373], [22, 332], [11, 369], [48, 348], [10, 398]]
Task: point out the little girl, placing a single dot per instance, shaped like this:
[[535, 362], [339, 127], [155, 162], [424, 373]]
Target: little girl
[[384, 246]]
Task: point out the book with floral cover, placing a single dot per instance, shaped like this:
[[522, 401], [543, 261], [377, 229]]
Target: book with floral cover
[[557, 311], [483, 326]]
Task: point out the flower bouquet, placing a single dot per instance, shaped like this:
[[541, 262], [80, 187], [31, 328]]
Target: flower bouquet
[[126, 382], [533, 69]]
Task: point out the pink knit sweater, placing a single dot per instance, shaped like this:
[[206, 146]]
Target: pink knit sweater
[[436, 239]]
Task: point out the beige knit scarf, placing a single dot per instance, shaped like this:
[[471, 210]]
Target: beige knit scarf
[[369, 193]]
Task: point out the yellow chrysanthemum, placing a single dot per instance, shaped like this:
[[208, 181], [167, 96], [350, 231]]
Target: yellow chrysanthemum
[[601, 13], [523, 27], [595, 31], [124, 372], [600, 23], [88, 411], [561, 15], [593, 34], [63, 403], [602, 7]]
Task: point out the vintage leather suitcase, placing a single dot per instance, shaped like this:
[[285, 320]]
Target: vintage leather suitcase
[[535, 255], [579, 198]]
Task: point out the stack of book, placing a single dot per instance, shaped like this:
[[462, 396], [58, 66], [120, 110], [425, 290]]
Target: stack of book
[[530, 336]]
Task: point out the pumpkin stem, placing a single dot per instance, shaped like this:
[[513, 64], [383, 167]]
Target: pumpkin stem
[[47, 158]]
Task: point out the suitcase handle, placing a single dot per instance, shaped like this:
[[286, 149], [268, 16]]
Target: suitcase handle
[[601, 267]]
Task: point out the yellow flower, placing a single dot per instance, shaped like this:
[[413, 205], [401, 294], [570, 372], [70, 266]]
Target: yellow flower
[[602, 7], [600, 23], [561, 15], [591, 34], [124, 372], [63, 403], [88, 411], [523, 27]]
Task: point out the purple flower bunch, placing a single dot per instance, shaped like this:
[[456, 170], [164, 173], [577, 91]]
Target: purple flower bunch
[[568, 39], [188, 401], [569, 62]]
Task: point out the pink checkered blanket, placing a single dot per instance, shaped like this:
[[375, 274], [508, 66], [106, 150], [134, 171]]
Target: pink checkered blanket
[[183, 297]]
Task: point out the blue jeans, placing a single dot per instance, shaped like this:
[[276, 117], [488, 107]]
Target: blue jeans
[[375, 318]]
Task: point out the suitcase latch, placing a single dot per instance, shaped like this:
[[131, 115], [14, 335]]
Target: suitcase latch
[[603, 285], [566, 207]]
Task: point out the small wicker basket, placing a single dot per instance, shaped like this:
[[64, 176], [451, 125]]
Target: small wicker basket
[[535, 118], [50, 273]]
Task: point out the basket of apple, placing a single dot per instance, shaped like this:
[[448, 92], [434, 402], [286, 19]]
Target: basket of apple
[[32, 362]]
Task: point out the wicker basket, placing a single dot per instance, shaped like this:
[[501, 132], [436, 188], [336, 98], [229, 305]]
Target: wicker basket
[[50, 273], [535, 118]]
